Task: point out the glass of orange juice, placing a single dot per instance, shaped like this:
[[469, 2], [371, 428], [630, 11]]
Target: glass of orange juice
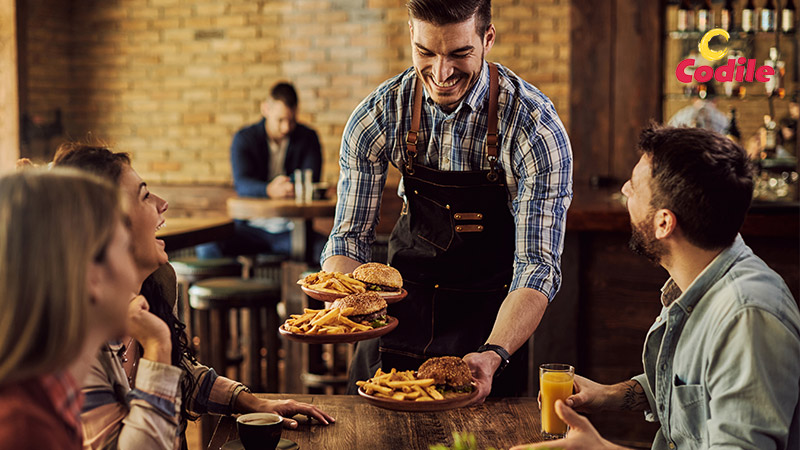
[[555, 383]]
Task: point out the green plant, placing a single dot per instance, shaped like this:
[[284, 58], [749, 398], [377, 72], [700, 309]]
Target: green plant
[[461, 441]]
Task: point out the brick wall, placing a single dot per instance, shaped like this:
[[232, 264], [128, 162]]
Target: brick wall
[[172, 80]]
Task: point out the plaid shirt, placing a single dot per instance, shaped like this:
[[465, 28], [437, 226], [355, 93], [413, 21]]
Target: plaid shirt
[[534, 152], [65, 395]]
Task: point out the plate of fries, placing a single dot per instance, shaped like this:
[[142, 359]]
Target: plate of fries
[[403, 391], [331, 326], [328, 286]]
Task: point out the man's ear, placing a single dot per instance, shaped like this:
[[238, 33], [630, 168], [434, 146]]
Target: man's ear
[[264, 108], [664, 223], [488, 38]]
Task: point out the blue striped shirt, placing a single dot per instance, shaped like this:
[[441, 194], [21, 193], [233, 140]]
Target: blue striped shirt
[[535, 154]]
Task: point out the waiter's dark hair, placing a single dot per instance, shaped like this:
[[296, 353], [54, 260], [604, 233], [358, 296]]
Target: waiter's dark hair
[[284, 92], [703, 177], [444, 12]]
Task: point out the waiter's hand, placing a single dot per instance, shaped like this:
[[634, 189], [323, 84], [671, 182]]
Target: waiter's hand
[[483, 365], [582, 435], [280, 187]]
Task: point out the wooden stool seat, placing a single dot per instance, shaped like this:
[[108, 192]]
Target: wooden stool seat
[[194, 269], [214, 299]]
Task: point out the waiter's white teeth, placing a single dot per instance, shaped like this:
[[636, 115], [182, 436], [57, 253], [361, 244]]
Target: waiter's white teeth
[[161, 225], [447, 83]]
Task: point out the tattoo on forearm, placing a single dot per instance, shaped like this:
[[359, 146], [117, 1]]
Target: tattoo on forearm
[[633, 398]]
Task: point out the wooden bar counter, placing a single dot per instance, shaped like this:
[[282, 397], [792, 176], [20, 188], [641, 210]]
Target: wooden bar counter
[[498, 423]]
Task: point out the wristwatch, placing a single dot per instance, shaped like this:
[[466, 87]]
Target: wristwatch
[[504, 356]]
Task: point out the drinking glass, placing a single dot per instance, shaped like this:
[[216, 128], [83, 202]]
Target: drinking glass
[[555, 383]]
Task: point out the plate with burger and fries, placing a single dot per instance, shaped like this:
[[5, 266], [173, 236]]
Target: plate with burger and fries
[[439, 384], [351, 318], [384, 280]]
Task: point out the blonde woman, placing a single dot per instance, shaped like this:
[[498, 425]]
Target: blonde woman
[[66, 281]]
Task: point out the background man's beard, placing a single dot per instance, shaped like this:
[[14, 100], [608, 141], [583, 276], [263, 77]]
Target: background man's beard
[[643, 241]]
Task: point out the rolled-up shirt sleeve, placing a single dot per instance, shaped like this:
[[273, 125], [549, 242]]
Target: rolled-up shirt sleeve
[[542, 160], [362, 175]]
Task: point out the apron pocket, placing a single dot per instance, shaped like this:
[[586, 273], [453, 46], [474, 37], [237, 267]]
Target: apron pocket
[[432, 222]]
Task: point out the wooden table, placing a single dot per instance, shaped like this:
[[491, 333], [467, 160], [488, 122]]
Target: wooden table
[[499, 423], [182, 232], [301, 214]]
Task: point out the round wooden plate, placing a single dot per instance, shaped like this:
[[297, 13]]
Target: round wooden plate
[[451, 402], [343, 338], [390, 297]]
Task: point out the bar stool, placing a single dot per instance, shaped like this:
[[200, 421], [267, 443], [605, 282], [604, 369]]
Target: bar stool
[[190, 270], [213, 299]]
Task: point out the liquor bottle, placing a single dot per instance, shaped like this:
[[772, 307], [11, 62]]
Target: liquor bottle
[[748, 14], [726, 16], [705, 19], [732, 131], [771, 86], [771, 140], [684, 16], [768, 16], [787, 17]]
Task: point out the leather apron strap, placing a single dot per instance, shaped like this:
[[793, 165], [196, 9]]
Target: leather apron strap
[[412, 137]]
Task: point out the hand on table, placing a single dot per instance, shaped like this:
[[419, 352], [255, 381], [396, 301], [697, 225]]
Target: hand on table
[[280, 187], [483, 365], [149, 330], [288, 408], [581, 436]]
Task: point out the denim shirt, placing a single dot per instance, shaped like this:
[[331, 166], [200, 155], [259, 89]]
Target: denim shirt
[[722, 360]]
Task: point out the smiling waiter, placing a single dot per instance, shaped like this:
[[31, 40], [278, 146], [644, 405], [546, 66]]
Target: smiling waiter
[[487, 180]]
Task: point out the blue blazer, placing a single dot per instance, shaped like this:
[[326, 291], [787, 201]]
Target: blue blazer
[[250, 157]]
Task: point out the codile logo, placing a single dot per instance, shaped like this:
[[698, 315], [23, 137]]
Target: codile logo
[[738, 69]]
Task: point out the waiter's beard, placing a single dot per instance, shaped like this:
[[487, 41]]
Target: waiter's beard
[[644, 242]]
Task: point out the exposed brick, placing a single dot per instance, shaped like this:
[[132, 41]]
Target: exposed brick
[[172, 80]]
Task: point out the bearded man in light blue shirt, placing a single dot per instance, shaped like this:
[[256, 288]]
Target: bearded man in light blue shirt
[[722, 360]]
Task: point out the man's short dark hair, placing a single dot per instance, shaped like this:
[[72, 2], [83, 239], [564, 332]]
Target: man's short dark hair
[[444, 12], [284, 92], [704, 178]]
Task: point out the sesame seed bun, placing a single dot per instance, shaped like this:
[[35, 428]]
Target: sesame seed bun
[[380, 275], [363, 303]]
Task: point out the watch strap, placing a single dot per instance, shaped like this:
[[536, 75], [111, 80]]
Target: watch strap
[[503, 353]]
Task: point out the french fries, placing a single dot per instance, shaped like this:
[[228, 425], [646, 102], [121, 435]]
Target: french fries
[[332, 282], [400, 386], [323, 321]]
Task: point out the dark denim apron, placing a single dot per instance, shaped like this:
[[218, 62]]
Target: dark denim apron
[[454, 245]]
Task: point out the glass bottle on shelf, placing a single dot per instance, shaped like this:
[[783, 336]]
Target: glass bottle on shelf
[[787, 17], [748, 14], [685, 16], [768, 16], [732, 131], [705, 18], [779, 67], [771, 138], [726, 16]]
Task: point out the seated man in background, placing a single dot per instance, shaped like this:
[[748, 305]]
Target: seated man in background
[[263, 156], [721, 364]]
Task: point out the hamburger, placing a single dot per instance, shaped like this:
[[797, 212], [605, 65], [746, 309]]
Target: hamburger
[[379, 277], [368, 308], [450, 374]]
